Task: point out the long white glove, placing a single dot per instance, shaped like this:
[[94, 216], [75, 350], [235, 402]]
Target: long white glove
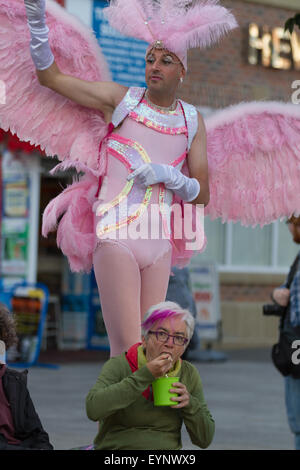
[[39, 46], [152, 173]]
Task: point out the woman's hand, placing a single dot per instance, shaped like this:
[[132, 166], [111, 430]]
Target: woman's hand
[[160, 365], [281, 296], [183, 395]]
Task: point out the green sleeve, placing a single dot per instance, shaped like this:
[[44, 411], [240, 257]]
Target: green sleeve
[[196, 416], [115, 388]]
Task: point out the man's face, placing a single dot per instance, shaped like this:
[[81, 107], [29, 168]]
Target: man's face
[[295, 231], [154, 348], [163, 70]]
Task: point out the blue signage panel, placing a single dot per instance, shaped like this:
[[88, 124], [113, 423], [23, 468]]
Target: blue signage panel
[[125, 56]]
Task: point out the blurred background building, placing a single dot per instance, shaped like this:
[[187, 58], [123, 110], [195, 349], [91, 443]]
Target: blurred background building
[[258, 61]]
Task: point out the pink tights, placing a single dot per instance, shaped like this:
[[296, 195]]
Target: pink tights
[[128, 288]]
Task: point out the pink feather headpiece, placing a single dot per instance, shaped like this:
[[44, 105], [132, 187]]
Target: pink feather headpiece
[[175, 25]]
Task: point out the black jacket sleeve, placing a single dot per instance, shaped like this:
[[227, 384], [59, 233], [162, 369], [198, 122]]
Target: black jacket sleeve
[[28, 427]]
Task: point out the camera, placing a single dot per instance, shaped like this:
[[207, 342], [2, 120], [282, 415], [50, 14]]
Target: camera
[[274, 309]]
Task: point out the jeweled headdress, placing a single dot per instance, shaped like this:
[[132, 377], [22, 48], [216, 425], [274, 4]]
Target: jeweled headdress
[[176, 25]]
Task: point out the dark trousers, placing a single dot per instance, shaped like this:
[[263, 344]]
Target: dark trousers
[[24, 445], [179, 291]]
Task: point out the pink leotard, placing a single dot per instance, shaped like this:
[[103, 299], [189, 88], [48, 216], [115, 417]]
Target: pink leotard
[[124, 209], [133, 274]]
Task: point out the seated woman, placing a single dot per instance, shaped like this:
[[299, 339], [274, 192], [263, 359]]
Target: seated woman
[[20, 426], [122, 401]]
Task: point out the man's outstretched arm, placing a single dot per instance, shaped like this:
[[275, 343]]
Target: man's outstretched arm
[[104, 96]]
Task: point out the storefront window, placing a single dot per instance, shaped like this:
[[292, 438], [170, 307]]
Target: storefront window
[[237, 248], [251, 246], [286, 248], [216, 248]]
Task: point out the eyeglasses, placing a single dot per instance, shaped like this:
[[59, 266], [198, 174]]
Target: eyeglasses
[[163, 337]]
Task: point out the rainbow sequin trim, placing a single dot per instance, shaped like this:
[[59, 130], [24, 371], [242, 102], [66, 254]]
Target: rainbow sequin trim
[[129, 153], [166, 122]]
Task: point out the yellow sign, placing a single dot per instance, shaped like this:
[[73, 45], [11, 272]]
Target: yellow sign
[[273, 48]]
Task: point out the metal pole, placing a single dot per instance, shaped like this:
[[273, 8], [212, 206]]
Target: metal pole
[[34, 204]]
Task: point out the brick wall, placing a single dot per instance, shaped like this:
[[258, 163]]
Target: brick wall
[[221, 76], [246, 293]]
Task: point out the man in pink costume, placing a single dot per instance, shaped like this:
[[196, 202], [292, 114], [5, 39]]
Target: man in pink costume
[[151, 136]]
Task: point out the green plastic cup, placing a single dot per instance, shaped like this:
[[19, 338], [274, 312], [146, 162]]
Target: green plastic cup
[[161, 394]]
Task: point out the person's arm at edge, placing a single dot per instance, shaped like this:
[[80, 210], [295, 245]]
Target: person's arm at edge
[[197, 163], [39, 435], [294, 299]]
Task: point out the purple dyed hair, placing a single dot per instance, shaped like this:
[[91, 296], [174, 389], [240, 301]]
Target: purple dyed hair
[[160, 312]]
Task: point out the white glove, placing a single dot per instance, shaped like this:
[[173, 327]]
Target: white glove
[[152, 173], [39, 46]]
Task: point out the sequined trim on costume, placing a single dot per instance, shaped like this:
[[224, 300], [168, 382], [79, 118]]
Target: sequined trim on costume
[[129, 102], [166, 122], [191, 118], [126, 221], [129, 153], [179, 159], [166, 197], [133, 98], [101, 209], [177, 111], [125, 146], [183, 120], [162, 208]]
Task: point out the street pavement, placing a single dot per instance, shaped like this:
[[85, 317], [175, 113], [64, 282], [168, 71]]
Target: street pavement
[[245, 395]]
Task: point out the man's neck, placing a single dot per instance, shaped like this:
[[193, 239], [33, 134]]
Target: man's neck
[[159, 99]]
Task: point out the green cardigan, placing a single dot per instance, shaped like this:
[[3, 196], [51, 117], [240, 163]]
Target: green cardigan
[[127, 421]]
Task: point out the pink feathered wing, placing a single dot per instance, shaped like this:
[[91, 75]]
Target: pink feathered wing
[[254, 162], [37, 114], [187, 226], [60, 126]]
